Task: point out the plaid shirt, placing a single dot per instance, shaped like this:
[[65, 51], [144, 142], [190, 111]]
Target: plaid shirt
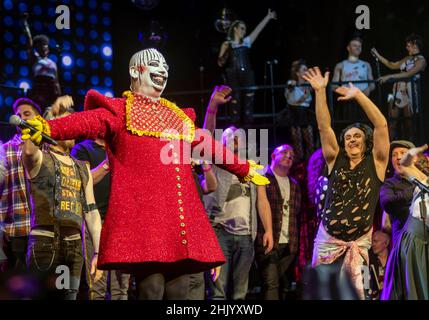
[[14, 204], [276, 203]]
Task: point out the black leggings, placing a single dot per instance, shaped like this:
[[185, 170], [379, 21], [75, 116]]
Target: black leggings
[[158, 286]]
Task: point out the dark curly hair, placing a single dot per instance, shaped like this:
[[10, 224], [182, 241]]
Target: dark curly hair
[[369, 136], [415, 39], [40, 39]]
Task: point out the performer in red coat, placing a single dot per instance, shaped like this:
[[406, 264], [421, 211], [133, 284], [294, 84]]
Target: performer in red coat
[[155, 225]]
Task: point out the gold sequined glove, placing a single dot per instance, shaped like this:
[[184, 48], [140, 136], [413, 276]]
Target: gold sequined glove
[[40, 125], [255, 177]]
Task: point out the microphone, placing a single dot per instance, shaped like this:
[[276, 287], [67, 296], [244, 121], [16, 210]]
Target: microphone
[[17, 121], [419, 184]]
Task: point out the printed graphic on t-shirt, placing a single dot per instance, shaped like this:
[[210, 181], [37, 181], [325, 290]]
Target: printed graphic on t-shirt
[[70, 192]]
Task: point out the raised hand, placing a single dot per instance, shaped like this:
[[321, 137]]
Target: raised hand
[[272, 14], [315, 78], [375, 53], [411, 154], [384, 79], [36, 137], [347, 93], [61, 104], [220, 95]]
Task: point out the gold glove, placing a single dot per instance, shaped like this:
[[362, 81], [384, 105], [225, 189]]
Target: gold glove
[[253, 176], [40, 125]]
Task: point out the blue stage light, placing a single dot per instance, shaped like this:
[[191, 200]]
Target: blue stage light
[[24, 84], [8, 37], [23, 7], [67, 61], [9, 101], [8, 21], [93, 49], [66, 46], [24, 71], [93, 34], [94, 64], [51, 11], [80, 63], [92, 4], [81, 77], [37, 25], [79, 3], [108, 82], [107, 66], [23, 39], [81, 92], [106, 21], [8, 4], [54, 58], [106, 6], [93, 19], [95, 80], [8, 68], [1, 100], [23, 54], [52, 28], [107, 36], [8, 52], [37, 10], [79, 16], [80, 32], [67, 76], [67, 90], [107, 51]]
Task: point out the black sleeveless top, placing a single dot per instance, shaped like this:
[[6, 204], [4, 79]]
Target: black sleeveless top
[[239, 59], [351, 198]]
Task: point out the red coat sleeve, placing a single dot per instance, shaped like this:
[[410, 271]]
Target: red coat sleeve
[[101, 119], [228, 161]]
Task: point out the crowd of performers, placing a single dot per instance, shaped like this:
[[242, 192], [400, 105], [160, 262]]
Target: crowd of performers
[[128, 200]]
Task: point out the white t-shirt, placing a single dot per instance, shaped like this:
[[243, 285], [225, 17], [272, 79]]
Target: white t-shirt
[[415, 205], [246, 43], [235, 216], [284, 184], [355, 71], [296, 94]]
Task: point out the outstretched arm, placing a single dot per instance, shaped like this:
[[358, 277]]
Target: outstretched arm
[[90, 124], [31, 155], [93, 222], [328, 140], [255, 33], [389, 64], [381, 146], [419, 67], [219, 96]]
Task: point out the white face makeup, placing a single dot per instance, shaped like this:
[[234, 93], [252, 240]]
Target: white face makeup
[[150, 71]]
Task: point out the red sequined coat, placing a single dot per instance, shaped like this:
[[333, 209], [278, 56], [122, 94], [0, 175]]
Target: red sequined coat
[[155, 220]]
